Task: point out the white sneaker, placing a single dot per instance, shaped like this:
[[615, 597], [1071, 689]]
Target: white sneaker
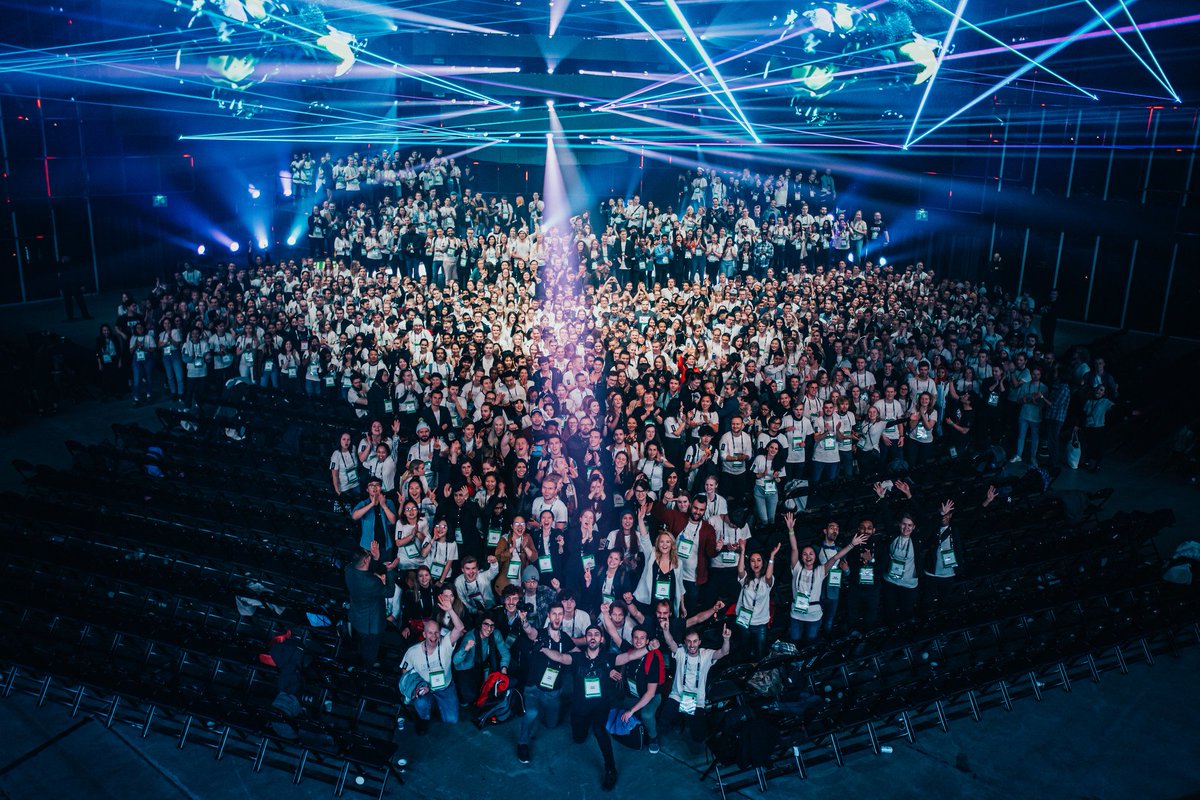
[[1014, 460]]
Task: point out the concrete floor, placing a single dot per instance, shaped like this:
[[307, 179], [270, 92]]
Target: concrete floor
[[1129, 735]]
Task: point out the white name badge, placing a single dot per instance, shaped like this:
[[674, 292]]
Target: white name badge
[[866, 575], [549, 678], [437, 680], [458, 535], [729, 558], [248, 358], [411, 551], [631, 684], [438, 569], [685, 547], [897, 570], [829, 443], [387, 406], [514, 570], [769, 487], [800, 604], [198, 363], [329, 381], [141, 355], [269, 366], [545, 564], [589, 562], [835, 578], [591, 687], [687, 703], [409, 406], [994, 399], [948, 559], [168, 350], [743, 617], [493, 537], [291, 372], [662, 589]]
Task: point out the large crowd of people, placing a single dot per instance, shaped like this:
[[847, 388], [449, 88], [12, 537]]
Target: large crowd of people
[[572, 455]]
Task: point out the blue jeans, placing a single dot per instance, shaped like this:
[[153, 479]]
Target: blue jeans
[[539, 703], [269, 378], [822, 471], [765, 504], [173, 367], [829, 607], [1032, 426], [143, 376], [803, 632], [312, 388], [447, 703]]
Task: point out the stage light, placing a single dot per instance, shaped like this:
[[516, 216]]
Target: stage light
[[254, 191], [262, 244], [549, 104], [850, 258], [882, 261], [549, 70], [291, 240], [233, 247], [200, 250]]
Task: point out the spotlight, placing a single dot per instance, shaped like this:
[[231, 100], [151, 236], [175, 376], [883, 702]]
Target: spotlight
[[254, 191], [233, 247], [549, 136], [850, 258], [882, 261], [262, 244], [200, 250], [291, 240], [549, 104], [549, 70]]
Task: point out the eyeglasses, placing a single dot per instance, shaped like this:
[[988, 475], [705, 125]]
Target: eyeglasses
[[487, 624]]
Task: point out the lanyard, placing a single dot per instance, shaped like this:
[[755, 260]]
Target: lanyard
[[812, 580], [437, 650], [687, 660], [907, 544]]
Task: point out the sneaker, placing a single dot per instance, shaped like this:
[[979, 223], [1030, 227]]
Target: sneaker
[[523, 754], [610, 779], [654, 748], [1015, 460]]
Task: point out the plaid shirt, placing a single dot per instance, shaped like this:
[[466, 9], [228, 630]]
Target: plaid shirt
[[1060, 401]]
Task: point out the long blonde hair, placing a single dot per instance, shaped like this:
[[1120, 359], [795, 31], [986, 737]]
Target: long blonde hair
[[673, 555]]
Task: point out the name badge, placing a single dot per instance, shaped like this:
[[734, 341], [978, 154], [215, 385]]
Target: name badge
[[591, 687], [829, 443], [291, 372], [729, 558], [866, 575], [769, 486], [387, 406], [458, 534], [437, 680], [141, 355], [409, 407], [800, 604], [948, 559], [687, 703], [411, 551], [438, 568], [545, 565], [994, 399], [329, 381], [493, 538], [248, 357], [835, 578], [589, 561], [743, 617], [549, 678], [897, 570], [662, 589], [631, 684], [685, 547], [168, 350], [514, 569], [198, 363], [269, 366]]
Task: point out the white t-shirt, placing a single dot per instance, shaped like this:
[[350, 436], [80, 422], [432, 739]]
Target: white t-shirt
[[687, 564], [347, 469], [756, 597], [807, 582], [426, 664], [691, 674], [739, 444]]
